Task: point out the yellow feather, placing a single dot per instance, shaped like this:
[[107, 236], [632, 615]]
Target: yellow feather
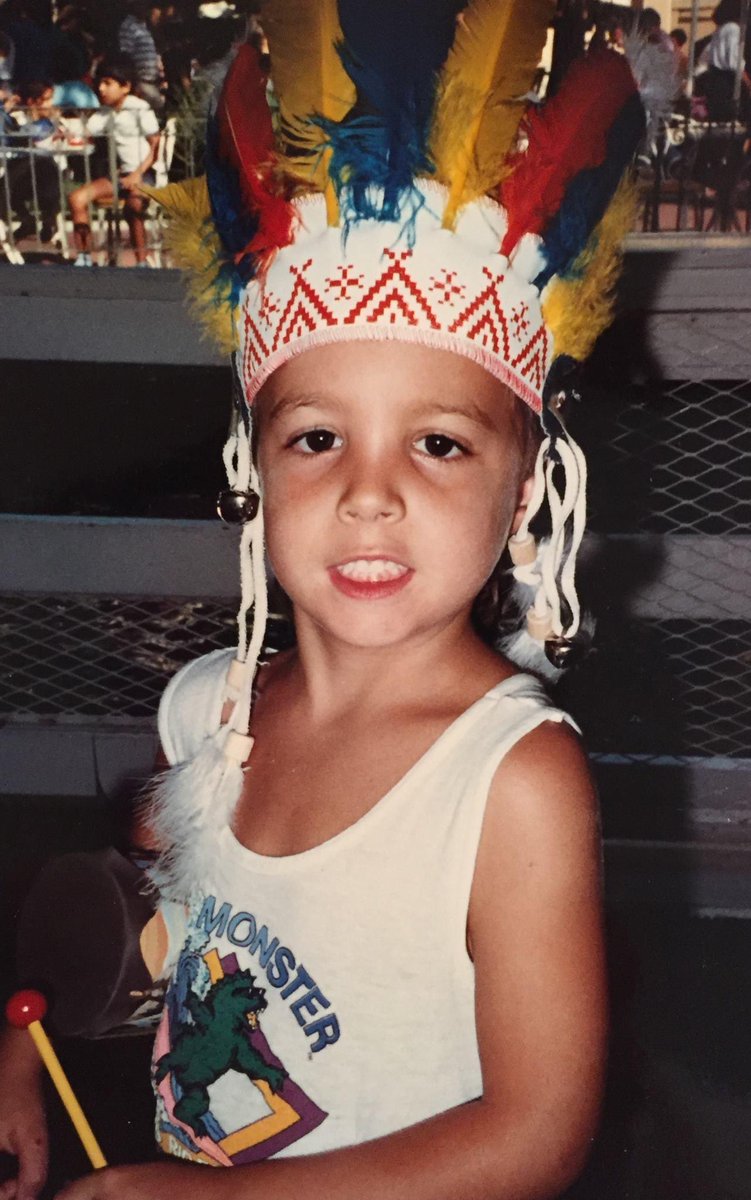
[[193, 242], [489, 70], [308, 78], [578, 309]]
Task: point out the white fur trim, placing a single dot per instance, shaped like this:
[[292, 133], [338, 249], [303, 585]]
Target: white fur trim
[[189, 805], [528, 654]]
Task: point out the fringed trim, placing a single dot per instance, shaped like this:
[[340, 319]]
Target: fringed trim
[[400, 333]]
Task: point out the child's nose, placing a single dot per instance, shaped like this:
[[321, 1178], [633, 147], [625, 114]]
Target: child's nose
[[372, 493]]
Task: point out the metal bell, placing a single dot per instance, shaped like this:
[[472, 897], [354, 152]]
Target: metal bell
[[237, 508], [563, 652]]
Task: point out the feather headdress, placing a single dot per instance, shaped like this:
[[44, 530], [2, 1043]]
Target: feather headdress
[[482, 93], [192, 239], [565, 136], [246, 146], [392, 52], [579, 307], [309, 83]]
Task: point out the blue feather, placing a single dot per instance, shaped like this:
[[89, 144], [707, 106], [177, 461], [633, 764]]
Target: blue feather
[[392, 51], [590, 192], [234, 224]]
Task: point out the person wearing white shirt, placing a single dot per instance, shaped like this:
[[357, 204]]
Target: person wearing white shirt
[[133, 125], [718, 63]]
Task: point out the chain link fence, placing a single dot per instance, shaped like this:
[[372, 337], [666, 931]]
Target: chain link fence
[[670, 672]]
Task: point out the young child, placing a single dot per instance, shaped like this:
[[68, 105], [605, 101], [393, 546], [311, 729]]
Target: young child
[[386, 838], [134, 126], [28, 126]]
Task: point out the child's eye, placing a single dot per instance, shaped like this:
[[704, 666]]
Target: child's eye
[[316, 441], [438, 445]]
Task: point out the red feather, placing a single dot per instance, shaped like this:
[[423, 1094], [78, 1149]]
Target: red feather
[[567, 135], [246, 138]]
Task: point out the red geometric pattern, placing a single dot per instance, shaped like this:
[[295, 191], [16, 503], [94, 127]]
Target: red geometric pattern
[[395, 298], [447, 286], [534, 359], [343, 280], [483, 320], [269, 307], [257, 350], [304, 312], [520, 320], [445, 290]]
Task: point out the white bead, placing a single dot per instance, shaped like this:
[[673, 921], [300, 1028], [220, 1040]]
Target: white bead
[[523, 551], [237, 747], [539, 626], [236, 674]]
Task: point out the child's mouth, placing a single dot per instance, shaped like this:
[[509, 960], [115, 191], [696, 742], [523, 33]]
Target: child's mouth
[[370, 578]]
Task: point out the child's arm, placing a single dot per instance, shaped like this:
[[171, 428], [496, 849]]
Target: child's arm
[[535, 933], [23, 1126], [134, 178]]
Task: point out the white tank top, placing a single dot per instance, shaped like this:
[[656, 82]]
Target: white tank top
[[361, 999]]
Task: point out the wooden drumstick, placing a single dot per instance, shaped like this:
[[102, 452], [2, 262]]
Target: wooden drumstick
[[25, 1010]]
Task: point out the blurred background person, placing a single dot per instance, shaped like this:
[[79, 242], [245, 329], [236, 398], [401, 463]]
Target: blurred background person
[[679, 38], [28, 134], [132, 123], [136, 40], [7, 60], [650, 27], [718, 64], [28, 23]]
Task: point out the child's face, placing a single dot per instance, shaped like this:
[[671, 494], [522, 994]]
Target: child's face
[[42, 106], [392, 474], [111, 92]]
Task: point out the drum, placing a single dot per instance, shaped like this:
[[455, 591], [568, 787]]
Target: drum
[[94, 938]]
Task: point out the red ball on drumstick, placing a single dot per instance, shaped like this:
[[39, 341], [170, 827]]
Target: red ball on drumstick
[[25, 1010]]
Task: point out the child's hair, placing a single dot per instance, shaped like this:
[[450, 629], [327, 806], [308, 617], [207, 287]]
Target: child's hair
[[491, 615], [649, 20], [120, 69], [727, 10], [34, 90]]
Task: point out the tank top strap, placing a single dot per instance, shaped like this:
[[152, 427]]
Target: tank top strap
[[492, 726], [191, 706], [508, 713]]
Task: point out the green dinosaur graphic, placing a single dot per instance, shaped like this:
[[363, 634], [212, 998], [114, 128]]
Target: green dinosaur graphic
[[216, 1042]]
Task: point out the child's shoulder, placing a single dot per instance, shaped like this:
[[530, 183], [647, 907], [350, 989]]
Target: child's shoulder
[[548, 759], [514, 708], [135, 104]]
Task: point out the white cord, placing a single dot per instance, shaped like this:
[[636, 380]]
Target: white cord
[[561, 508], [568, 572], [247, 589], [553, 575], [229, 455]]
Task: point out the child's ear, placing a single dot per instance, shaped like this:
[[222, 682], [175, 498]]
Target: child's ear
[[525, 495]]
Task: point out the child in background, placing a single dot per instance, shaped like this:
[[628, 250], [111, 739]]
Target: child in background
[[28, 128], [135, 128], [386, 838]]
